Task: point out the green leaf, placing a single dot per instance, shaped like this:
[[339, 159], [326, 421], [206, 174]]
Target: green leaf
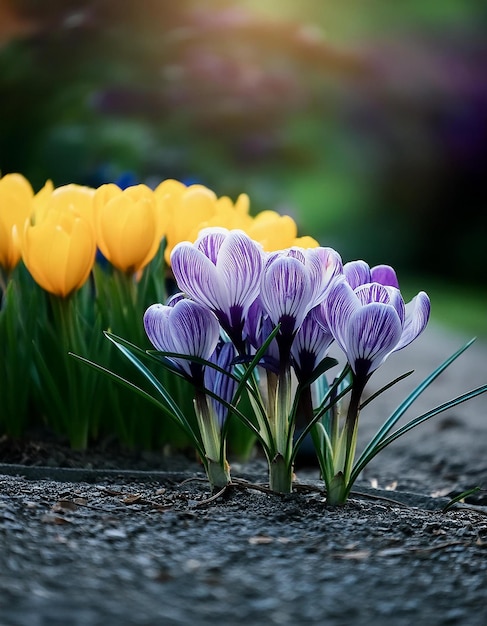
[[369, 451], [385, 388], [460, 496], [365, 459], [151, 378], [143, 394], [429, 414]]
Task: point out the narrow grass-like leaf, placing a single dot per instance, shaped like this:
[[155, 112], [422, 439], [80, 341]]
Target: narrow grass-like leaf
[[385, 388], [324, 404], [143, 394], [232, 407], [460, 496], [152, 379], [404, 406], [243, 381], [48, 380], [385, 441]]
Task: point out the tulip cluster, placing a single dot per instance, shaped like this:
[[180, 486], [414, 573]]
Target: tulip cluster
[[261, 323], [75, 260]]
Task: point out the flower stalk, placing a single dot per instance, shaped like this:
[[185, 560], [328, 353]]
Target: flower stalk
[[215, 462]]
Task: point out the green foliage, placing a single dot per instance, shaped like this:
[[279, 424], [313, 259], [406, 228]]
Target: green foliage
[[18, 329], [336, 447]]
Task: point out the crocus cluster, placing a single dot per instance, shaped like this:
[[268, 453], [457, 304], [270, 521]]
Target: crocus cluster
[[277, 314]]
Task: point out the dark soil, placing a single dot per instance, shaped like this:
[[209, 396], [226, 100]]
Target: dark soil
[[111, 537]]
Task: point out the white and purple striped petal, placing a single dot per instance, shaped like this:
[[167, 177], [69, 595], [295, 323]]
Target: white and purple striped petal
[[195, 274], [373, 332], [286, 292], [375, 292], [330, 266], [295, 280], [385, 275], [337, 309], [222, 270], [187, 328], [155, 321], [357, 273], [209, 242], [417, 316]]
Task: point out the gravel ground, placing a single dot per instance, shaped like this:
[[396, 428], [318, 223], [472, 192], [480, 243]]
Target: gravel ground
[[93, 547]]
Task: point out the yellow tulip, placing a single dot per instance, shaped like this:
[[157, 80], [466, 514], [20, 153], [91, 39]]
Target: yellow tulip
[[128, 229], [16, 196], [59, 251], [186, 211]]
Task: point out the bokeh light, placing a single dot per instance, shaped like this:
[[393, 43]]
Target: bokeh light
[[364, 121]]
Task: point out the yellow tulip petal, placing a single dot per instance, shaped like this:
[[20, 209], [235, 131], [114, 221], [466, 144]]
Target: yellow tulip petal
[[16, 198], [7, 258], [170, 187], [36, 252], [41, 200], [305, 242], [80, 255]]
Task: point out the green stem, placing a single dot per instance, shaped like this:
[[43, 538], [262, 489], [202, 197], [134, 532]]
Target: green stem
[[339, 486], [279, 407], [283, 425], [76, 418], [280, 474], [305, 415], [351, 423], [218, 474], [216, 465]]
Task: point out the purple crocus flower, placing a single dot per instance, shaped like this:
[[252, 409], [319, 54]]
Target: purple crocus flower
[[185, 327], [372, 321], [222, 271], [294, 281]]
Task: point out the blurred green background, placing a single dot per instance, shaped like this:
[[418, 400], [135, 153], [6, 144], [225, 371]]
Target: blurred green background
[[365, 121]]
